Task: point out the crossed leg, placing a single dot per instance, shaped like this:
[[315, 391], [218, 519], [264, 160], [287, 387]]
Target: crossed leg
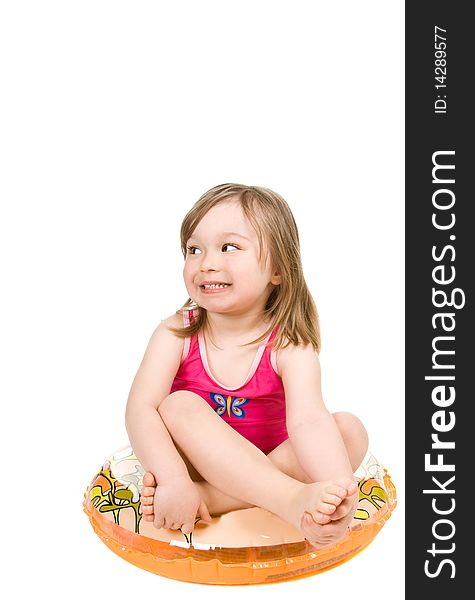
[[233, 487]]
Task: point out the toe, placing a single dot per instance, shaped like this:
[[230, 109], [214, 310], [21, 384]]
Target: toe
[[332, 499], [149, 479], [350, 486], [147, 491], [337, 490]]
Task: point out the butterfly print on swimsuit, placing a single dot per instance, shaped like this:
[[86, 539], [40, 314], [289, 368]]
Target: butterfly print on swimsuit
[[228, 404]]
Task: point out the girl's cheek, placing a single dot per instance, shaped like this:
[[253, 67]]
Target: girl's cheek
[[187, 272]]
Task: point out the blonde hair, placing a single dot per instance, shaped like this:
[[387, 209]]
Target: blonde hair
[[290, 304]]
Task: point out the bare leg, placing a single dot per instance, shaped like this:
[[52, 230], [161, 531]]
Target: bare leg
[[222, 456], [217, 502], [355, 438], [246, 473], [283, 457]]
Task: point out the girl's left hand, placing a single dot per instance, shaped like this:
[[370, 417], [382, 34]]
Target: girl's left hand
[[335, 530], [329, 534]]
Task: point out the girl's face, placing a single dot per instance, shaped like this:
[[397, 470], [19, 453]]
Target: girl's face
[[222, 270]]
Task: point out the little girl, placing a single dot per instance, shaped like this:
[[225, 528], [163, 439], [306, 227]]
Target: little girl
[[226, 411]]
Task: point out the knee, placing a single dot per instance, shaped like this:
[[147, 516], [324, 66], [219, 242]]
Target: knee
[[352, 429], [177, 402]]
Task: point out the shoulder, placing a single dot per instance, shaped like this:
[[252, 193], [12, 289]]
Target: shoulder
[[296, 358], [163, 335], [159, 365], [301, 378]]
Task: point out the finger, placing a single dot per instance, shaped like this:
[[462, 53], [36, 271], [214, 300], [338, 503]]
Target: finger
[[169, 524], [338, 514], [347, 506], [319, 517], [204, 512], [146, 500], [309, 520], [187, 527], [147, 517]]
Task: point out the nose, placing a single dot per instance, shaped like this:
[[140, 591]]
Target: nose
[[210, 261]]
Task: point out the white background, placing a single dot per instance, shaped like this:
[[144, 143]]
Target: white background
[[115, 118]]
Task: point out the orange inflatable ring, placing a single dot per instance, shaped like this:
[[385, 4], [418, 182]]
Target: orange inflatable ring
[[241, 547]]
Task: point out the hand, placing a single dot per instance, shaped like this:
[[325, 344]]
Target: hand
[[328, 534], [335, 530], [176, 504]]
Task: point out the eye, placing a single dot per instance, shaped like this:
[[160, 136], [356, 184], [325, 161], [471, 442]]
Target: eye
[[193, 250], [232, 246]]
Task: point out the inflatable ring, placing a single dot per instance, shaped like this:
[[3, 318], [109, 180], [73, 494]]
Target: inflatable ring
[[241, 547]]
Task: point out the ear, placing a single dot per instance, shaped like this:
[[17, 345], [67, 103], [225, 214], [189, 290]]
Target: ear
[[276, 279]]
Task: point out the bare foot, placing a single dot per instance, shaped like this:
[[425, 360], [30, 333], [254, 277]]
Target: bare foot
[[146, 496], [348, 504], [322, 511], [337, 528], [321, 500], [216, 501], [315, 505], [331, 533]]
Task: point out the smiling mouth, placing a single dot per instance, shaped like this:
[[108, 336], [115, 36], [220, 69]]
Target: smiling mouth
[[214, 286]]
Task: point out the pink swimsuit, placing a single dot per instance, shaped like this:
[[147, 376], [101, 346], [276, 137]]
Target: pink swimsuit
[[255, 409]]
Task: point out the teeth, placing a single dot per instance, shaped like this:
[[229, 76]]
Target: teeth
[[212, 286]]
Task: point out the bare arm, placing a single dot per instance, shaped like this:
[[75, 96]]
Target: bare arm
[[312, 430], [147, 433]]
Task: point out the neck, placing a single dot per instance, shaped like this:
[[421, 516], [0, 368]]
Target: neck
[[236, 329]]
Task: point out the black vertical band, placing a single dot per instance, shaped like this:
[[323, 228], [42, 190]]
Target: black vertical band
[[440, 268]]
